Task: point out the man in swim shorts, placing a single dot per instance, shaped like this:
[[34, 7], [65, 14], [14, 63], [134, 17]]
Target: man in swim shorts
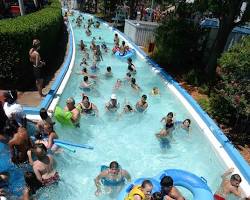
[[35, 59], [228, 186], [168, 190], [43, 166], [70, 106], [141, 192], [113, 177]]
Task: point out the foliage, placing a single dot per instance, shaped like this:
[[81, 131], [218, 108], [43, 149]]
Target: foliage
[[178, 43], [16, 37], [231, 103]]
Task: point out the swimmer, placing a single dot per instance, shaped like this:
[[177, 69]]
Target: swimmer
[[229, 186], [51, 134], [70, 106], [113, 178], [82, 46], [84, 72], [104, 47], [94, 67], [98, 53], [87, 107], [142, 104], [115, 49], [155, 91], [131, 66], [168, 190], [43, 166], [84, 62], [97, 25], [86, 84], [186, 124], [134, 85], [88, 32], [141, 192], [123, 49], [92, 45], [128, 77], [109, 73], [45, 118], [128, 109], [169, 126], [118, 84], [112, 105]]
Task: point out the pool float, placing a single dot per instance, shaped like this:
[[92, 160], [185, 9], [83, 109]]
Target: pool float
[[63, 143], [196, 185], [63, 117], [108, 182], [128, 54]]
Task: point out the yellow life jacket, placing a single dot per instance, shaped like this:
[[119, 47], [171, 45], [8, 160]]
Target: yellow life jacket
[[135, 191]]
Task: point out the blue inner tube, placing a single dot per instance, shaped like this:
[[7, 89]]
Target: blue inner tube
[[109, 182], [196, 185], [128, 54]]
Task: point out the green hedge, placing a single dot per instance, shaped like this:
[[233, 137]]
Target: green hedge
[[16, 37]]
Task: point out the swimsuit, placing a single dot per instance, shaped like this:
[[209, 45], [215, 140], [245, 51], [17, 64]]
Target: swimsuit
[[88, 110], [112, 182], [51, 180], [218, 197]]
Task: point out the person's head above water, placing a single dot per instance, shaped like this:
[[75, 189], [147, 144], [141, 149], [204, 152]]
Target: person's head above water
[[85, 78], [170, 115], [108, 69], [10, 96], [114, 167], [157, 196], [123, 43], [187, 123], [144, 97], [133, 81], [235, 180], [116, 35], [70, 103], [40, 150], [38, 135], [147, 187], [166, 184]]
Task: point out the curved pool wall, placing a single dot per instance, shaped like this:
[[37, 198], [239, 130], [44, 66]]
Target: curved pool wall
[[222, 145], [228, 153], [68, 63]]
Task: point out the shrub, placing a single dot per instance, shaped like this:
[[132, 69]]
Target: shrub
[[16, 37]]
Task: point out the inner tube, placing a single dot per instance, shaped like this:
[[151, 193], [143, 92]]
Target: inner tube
[[128, 54], [196, 185], [109, 182], [63, 117]]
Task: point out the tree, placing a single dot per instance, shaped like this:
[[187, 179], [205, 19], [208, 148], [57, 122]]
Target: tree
[[231, 102], [230, 14]]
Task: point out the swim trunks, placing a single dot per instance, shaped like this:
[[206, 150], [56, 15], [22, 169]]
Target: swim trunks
[[217, 197], [37, 71], [51, 180]]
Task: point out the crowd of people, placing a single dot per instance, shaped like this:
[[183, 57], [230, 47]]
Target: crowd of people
[[39, 151]]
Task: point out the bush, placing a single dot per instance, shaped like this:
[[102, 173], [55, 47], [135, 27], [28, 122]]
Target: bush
[[16, 37]]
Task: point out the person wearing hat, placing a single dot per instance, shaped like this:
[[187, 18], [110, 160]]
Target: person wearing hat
[[112, 105], [35, 59], [70, 106]]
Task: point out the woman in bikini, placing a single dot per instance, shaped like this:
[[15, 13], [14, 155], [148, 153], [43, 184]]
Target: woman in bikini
[[87, 107]]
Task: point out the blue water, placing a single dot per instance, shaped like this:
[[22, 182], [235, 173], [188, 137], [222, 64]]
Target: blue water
[[128, 139]]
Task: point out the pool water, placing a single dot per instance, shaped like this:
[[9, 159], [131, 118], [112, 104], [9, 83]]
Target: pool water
[[128, 138]]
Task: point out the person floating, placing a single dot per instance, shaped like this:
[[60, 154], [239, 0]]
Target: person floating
[[38, 65], [70, 106], [113, 178], [141, 192]]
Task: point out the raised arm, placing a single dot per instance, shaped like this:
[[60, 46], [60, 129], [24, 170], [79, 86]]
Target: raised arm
[[98, 184]]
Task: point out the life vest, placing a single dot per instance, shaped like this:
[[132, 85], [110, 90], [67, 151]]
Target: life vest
[[135, 191]]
